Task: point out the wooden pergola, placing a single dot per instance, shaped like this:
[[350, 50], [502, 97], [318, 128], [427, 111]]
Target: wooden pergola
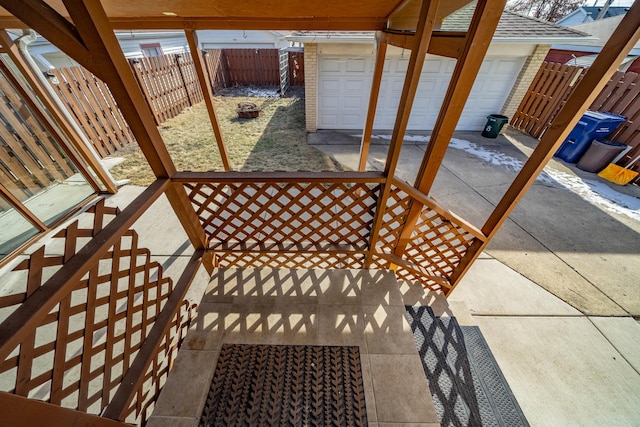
[[357, 220]]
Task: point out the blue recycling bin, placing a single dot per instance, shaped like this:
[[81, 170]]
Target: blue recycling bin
[[592, 125]]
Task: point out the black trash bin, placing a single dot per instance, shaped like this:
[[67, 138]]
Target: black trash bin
[[599, 155], [494, 125]]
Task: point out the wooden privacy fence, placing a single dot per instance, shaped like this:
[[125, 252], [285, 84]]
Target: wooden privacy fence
[[252, 67], [90, 102], [296, 68], [169, 83], [30, 159], [553, 85]]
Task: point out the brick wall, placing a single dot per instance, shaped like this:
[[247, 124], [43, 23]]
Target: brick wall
[[311, 85], [526, 76]]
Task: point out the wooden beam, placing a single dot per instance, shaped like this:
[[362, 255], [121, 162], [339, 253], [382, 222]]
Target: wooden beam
[[316, 23], [59, 128], [426, 22], [134, 376], [94, 28], [20, 207], [21, 411], [207, 92], [25, 318], [414, 268], [52, 26], [615, 50], [483, 25], [425, 200], [381, 51], [449, 44], [222, 177]]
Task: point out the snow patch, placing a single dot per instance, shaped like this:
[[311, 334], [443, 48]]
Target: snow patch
[[594, 192]]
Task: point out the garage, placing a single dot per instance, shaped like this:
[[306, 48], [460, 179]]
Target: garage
[[344, 84]]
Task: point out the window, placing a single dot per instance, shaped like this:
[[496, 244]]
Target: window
[[151, 49]]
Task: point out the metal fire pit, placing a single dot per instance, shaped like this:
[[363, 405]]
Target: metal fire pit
[[248, 110]]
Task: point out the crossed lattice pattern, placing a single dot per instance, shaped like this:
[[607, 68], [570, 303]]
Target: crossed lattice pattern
[[78, 354], [288, 260], [437, 244], [308, 213], [394, 218]]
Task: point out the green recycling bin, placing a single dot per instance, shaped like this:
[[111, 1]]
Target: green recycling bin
[[494, 125]]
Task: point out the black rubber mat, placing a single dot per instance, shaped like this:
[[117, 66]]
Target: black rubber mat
[[284, 385], [466, 383]]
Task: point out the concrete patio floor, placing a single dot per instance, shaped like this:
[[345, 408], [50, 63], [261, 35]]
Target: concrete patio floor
[[565, 367]]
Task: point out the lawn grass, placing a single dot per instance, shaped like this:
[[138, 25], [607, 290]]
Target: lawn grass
[[275, 141]]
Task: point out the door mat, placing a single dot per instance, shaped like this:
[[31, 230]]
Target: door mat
[[286, 385], [466, 383]]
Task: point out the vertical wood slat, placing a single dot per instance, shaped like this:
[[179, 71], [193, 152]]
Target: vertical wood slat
[[90, 102], [41, 141], [553, 85]]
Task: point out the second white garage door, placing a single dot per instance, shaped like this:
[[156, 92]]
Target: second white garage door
[[344, 84]]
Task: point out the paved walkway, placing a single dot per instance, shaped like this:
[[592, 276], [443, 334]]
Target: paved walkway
[[563, 235]]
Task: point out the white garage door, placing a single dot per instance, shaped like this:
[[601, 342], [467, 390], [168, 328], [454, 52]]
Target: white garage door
[[344, 84]]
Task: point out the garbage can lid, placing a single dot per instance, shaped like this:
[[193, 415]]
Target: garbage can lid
[[611, 143]]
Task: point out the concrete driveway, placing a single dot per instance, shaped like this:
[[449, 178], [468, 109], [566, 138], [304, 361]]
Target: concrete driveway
[[566, 235]]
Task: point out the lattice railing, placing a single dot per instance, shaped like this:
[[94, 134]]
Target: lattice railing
[[77, 355], [255, 224], [290, 215], [437, 244]]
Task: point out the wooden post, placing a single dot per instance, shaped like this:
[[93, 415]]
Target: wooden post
[[11, 49], [615, 50], [381, 51], [108, 62], [426, 23], [207, 92], [483, 24]]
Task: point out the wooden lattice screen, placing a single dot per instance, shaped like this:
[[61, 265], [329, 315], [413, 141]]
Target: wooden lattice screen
[[325, 225], [78, 354]]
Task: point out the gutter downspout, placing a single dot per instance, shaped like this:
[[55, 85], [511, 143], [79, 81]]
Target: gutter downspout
[[28, 37]]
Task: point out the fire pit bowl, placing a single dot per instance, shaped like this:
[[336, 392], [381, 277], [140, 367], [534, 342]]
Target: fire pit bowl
[[248, 110]]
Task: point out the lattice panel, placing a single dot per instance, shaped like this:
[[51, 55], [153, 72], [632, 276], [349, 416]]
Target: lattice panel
[[394, 218], [156, 376], [301, 213], [437, 244], [289, 260], [77, 355]]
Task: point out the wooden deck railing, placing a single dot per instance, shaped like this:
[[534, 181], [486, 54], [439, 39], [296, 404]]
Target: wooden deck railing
[[322, 220], [108, 342]]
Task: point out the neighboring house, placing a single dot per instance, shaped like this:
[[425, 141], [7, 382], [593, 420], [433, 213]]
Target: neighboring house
[[586, 14], [583, 55], [339, 69], [136, 44]]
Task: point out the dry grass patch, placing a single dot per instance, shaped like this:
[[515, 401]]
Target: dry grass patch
[[275, 141]]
